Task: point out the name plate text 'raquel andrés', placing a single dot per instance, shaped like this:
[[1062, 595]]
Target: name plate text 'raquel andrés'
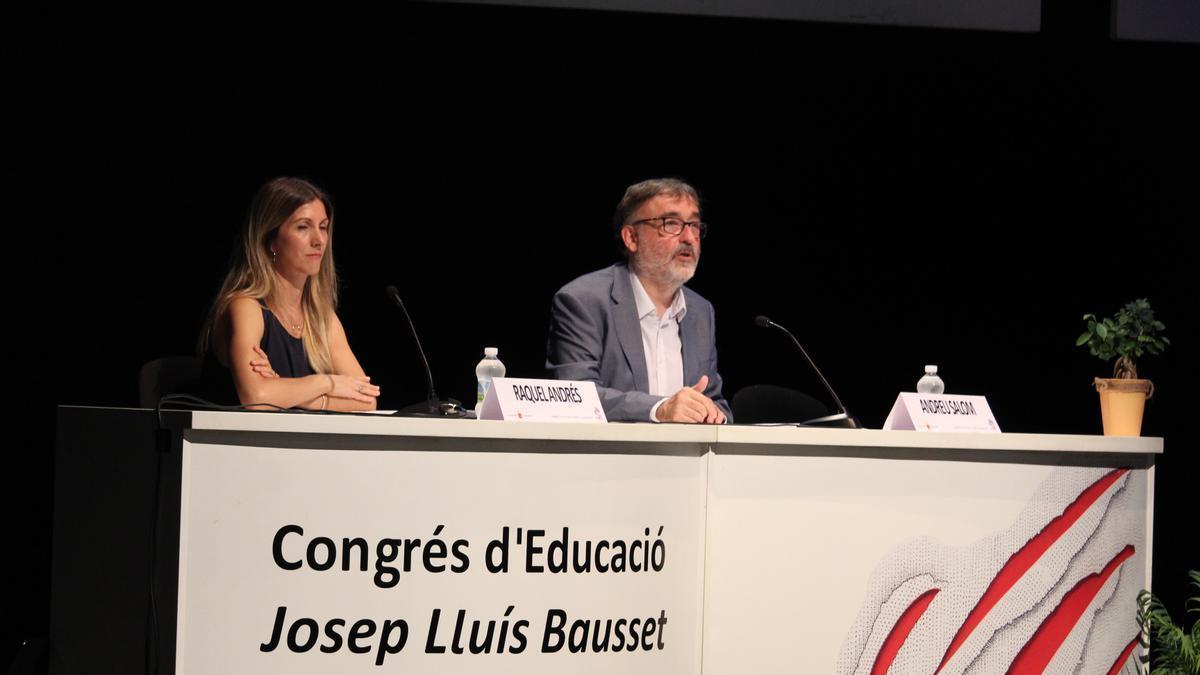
[[514, 398]]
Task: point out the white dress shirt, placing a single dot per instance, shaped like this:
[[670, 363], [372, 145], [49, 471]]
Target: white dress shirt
[[660, 342]]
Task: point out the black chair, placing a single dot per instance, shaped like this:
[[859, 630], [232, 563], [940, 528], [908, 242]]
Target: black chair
[[768, 403], [166, 376]]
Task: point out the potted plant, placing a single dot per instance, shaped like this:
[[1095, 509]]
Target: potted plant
[[1131, 333], [1176, 650]]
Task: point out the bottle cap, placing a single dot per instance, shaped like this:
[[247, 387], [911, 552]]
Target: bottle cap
[[490, 351], [931, 370]]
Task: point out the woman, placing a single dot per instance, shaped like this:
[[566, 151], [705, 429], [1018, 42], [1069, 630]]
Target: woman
[[272, 327]]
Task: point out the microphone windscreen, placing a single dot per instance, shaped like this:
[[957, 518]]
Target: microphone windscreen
[[762, 321]]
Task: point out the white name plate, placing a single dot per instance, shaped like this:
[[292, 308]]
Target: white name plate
[[941, 412], [514, 398]]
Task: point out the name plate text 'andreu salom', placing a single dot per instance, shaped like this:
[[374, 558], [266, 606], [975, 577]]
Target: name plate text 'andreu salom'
[[941, 412]]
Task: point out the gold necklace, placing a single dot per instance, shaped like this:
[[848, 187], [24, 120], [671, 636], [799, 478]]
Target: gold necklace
[[287, 321]]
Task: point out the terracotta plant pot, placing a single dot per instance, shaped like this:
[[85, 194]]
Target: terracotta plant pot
[[1122, 403]]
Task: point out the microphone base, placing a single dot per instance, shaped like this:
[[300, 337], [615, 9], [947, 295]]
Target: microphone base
[[843, 420], [447, 409]]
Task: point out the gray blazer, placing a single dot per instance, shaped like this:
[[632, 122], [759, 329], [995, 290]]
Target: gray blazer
[[595, 336]]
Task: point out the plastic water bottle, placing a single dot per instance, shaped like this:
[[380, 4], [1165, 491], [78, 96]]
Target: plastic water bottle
[[488, 368], [931, 383]]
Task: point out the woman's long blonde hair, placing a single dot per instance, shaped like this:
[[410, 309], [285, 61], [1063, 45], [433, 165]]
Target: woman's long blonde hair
[[252, 272]]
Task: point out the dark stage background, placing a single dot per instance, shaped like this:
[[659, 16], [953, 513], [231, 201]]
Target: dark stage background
[[896, 196]]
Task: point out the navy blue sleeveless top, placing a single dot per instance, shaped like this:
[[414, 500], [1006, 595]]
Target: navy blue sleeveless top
[[285, 352]]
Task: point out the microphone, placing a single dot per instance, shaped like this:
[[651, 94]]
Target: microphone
[[432, 406], [842, 418]]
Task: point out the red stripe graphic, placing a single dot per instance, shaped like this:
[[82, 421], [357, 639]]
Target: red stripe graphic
[[1123, 658], [1026, 557], [904, 625], [1036, 654]]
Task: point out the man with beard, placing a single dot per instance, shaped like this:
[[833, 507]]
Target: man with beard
[[633, 328]]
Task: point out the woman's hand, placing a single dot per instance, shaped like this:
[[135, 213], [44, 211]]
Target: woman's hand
[[355, 388], [261, 364]]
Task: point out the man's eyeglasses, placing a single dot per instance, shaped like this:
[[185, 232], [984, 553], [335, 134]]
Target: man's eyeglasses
[[674, 226]]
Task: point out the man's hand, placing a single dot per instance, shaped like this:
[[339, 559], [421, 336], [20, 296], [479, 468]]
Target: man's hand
[[691, 405]]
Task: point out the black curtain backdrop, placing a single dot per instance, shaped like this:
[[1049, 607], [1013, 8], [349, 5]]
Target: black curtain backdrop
[[895, 196]]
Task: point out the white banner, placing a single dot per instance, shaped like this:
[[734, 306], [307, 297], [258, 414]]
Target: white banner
[[357, 561], [364, 561], [854, 565]]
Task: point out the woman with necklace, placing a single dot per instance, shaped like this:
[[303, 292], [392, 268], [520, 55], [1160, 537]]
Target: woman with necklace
[[273, 327]]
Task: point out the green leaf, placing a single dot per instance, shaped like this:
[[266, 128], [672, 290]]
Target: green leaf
[[1132, 331]]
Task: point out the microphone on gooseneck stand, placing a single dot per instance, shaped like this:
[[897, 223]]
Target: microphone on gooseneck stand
[[842, 418], [432, 406]]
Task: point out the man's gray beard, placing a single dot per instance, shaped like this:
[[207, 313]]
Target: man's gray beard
[[664, 275]]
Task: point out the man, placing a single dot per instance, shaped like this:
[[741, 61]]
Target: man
[[633, 328]]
